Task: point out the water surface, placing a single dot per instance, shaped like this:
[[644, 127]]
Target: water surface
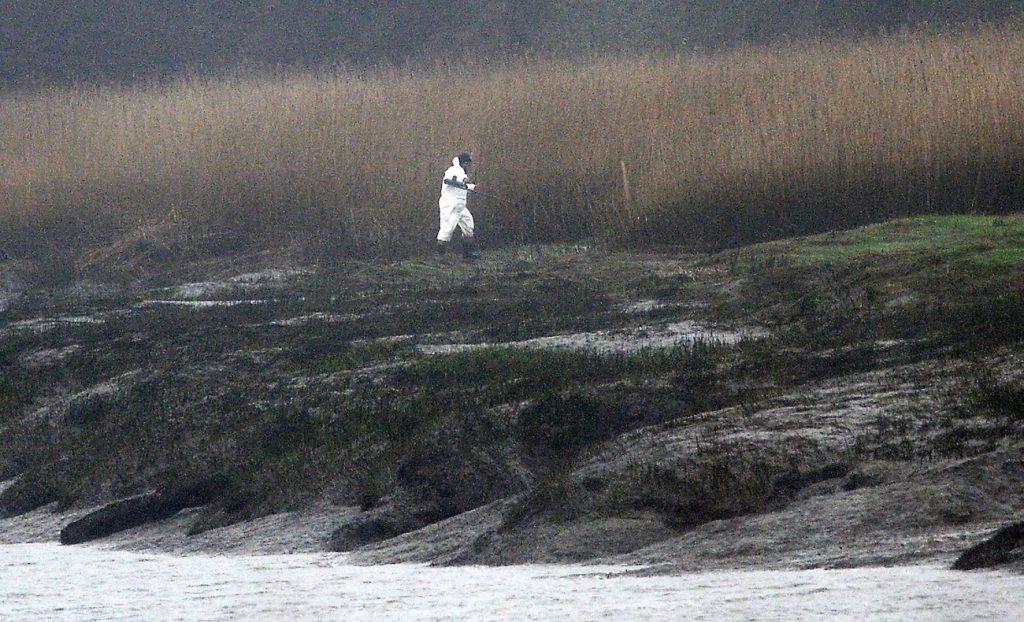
[[50, 582]]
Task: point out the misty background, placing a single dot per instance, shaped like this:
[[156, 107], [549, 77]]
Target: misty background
[[51, 41]]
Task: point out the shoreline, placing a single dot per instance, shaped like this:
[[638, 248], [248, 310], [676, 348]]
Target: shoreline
[[818, 402], [751, 543]]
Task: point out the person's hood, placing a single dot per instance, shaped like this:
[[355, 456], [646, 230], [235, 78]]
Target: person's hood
[[455, 162]]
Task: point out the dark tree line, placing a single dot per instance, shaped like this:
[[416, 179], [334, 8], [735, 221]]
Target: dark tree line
[[123, 40]]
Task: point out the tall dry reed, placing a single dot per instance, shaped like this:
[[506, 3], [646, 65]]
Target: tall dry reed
[[719, 150]]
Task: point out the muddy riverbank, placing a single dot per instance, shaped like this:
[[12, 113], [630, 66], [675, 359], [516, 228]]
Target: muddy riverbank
[[827, 402]]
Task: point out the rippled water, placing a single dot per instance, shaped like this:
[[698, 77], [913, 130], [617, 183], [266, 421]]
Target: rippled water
[[49, 582]]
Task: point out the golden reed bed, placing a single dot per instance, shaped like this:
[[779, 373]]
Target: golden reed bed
[[702, 151]]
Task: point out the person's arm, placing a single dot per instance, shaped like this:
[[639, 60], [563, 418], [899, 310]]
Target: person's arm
[[465, 185]]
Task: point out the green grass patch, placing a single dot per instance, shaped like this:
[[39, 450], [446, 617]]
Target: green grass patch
[[1000, 257], [955, 236]]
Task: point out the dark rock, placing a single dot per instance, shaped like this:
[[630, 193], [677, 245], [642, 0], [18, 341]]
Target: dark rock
[[118, 516], [1006, 546], [139, 510]]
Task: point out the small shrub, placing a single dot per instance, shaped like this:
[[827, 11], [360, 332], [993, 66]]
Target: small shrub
[[716, 486], [33, 490], [563, 422], [698, 381], [887, 437], [551, 496]]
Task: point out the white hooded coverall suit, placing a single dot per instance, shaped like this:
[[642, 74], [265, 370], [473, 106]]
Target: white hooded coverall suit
[[452, 204]]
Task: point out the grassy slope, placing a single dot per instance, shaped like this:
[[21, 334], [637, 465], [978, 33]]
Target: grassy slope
[[347, 409], [986, 242]]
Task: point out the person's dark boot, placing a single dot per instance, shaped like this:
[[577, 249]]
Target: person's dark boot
[[469, 249], [442, 248]]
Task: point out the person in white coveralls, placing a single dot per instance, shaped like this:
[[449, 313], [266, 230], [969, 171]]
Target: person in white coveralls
[[452, 206]]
